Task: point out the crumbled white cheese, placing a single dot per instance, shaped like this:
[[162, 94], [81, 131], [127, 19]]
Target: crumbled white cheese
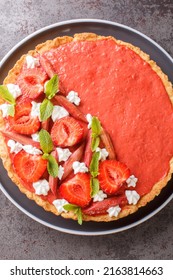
[[31, 150], [63, 154], [73, 97], [35, 111], [60, 172], [5, 108], [79, 167], [59, 203], [103, 153], [114, 211], [100, 196], [131, 181], [41, 187], [14, 90], [132, 197], [58, 113], [89, 119], [15, 147], [32, 62], [35, 137]]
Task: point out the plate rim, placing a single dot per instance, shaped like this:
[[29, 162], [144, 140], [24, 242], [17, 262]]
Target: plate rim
[[61, 229]]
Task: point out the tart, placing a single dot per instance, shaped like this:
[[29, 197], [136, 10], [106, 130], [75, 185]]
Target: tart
[[87, 127]]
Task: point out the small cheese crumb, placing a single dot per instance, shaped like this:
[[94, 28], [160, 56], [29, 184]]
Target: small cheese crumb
[[73, 97], [100, 196], [63, 154], [58, 113], [132, 197], [41, 187], [79, 167], [59, 203], [114, 211], [131, 181]]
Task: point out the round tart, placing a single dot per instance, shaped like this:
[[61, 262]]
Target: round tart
[[87, 127]]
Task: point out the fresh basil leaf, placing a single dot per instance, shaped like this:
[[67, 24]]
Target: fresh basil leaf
[[76, 209], [95, 126], [6, 95], [52, 166], [94, 183], [45, 156], [79, 216], [45, 141], [46, 109], [94, 165], [95, 143], [70, 207], [52, 86], [11, 110]]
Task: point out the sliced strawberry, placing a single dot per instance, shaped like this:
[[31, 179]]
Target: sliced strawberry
[[22, 122], [112, 175], [70, 107], [66, 132], [101, 207], [28, 167], [31, 82], [77, 190]]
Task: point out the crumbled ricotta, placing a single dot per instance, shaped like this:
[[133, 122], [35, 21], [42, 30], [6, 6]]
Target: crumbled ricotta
[[32, 62], [58, 113], [60, 172], [131, 181], [79, 167], [35, 111], [59, 203], [89, 119], [132, 197], [5, 109], [41, 187], [73, 97], [15, 147], [100, 196], [35, 137], [14, 90], [114, 211], [63, 154], [32, 150], [103, 153]]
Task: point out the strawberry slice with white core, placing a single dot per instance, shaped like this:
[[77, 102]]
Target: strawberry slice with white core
[[77, 190], [31, 82], [22, 122], [112, 175], [66, 132], [29, 167]]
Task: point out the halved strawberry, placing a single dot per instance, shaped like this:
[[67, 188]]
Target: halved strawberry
[[31, 82], [77, 190], [66, 132], [101, 207], [22, 122], [29, 167], [112, 175]]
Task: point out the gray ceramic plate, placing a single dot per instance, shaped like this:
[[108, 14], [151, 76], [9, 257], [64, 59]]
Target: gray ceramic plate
[[69, 28]]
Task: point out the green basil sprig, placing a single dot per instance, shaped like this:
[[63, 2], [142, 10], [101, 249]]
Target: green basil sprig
[[51, 88], [7, 96], [76, 209], [47, 147]]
